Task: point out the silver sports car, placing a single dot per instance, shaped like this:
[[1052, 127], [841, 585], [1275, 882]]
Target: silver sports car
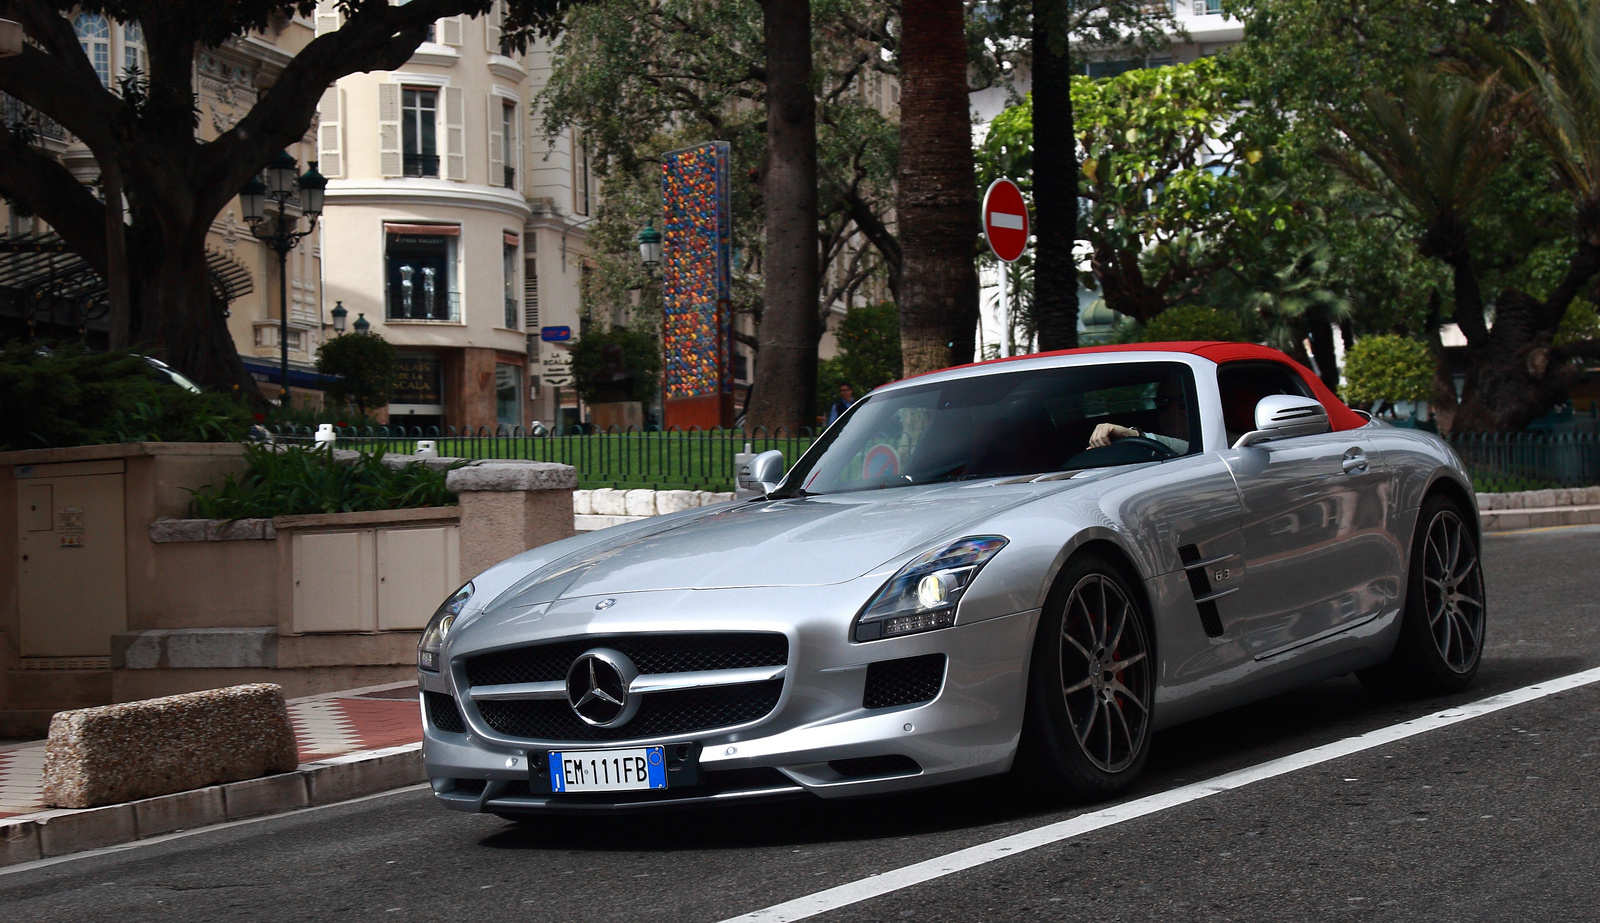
[[1036, 562]]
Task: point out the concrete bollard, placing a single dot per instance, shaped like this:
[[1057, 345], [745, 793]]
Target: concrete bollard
[[117, 753], [508, 507]]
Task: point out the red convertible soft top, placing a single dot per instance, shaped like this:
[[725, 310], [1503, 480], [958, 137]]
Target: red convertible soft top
[[1340, 417]]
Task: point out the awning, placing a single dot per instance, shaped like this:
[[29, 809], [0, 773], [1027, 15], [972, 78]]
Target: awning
[[267, 372], [41, 265], [445, 230]]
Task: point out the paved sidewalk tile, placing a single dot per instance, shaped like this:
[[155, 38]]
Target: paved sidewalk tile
[[325, 726]]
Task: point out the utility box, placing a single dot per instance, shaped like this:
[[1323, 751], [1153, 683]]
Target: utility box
[[72, 562]]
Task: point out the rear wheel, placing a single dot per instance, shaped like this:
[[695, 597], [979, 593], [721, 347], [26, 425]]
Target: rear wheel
[[1442, 628], [1092, 683]]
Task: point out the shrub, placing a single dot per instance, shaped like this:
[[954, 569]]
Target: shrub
[[61, 395], [292, 481], [1387, 368], [1191, 322], [641, 355], [366, 367]]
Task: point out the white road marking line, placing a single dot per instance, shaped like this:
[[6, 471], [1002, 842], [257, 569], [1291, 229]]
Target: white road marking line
[[1007, 220], [867, 888]]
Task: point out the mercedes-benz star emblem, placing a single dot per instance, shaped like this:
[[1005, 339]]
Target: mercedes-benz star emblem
[[605, 604], [597, 687]]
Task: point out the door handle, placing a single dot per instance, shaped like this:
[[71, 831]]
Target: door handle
[[1355, 462]]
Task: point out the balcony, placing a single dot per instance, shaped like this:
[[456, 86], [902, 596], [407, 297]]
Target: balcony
[[421, 165], [511, 313], [423, 306], [13, 113], [510, 178], [1206, 7]]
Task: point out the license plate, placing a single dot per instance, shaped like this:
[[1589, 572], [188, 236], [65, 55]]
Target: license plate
[[633, 769]]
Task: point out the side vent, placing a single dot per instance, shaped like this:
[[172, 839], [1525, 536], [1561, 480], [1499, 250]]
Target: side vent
[[1205, 598], [444, 714]]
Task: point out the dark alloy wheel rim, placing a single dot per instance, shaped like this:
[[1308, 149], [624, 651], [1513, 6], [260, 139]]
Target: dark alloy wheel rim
[[1452, 591], [1106, 680]]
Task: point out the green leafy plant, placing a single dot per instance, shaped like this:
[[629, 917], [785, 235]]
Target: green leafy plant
[[1387, 368], [292, 481], [1191, 322], [61, 395], [869, 353], [365, 366]]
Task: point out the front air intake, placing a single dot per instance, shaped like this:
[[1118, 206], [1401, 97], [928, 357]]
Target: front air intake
[[443, 713], [907, 681]]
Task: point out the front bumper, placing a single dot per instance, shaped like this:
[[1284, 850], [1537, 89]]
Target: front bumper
[[819, 739]]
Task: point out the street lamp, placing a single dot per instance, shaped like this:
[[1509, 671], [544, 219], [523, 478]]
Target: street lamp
[[362, 325], [339, 314], [650, 247], [280, 186]]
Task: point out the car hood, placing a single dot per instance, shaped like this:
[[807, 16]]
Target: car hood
[[809, 541]]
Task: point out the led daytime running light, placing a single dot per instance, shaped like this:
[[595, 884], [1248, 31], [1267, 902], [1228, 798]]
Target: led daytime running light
[[444, 618], [923, 596]]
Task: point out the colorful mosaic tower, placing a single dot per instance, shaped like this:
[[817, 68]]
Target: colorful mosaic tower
[[696, 287]]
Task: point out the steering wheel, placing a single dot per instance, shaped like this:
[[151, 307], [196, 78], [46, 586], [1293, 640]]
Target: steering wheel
[[1128, 450], [1162, 450]]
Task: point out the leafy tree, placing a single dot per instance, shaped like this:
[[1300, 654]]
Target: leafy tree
[[643, 77], [142, 133], [1180, 183], [641, 355], [1388, 368], [1036, 34], [366, 367]]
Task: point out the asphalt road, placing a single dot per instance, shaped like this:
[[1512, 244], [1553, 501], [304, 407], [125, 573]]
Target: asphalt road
[[1493, 818]]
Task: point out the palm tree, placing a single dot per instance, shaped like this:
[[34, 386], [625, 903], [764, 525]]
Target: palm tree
[[1295, 304]]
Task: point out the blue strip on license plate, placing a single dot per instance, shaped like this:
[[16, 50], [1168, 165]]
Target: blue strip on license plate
[[622, 770]]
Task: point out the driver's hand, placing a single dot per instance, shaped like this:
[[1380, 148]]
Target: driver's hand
[[1107, 433]]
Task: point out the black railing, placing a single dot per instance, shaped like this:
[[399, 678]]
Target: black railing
[[421, 164], [14, 113], [511, 178], [692, 459], [1530, 460]]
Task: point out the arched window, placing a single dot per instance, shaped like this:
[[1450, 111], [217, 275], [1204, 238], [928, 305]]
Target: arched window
[[94, 34], [132, 47]]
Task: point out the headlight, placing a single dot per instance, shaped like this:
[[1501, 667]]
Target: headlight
[[924, 594], [439, 627]]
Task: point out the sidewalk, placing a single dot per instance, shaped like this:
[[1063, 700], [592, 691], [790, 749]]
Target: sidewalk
[[351, 743]]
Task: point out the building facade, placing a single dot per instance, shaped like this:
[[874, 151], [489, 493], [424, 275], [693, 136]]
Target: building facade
[[454, 226]]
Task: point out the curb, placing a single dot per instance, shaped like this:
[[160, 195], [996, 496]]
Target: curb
[[1506, 520], [45, 834]]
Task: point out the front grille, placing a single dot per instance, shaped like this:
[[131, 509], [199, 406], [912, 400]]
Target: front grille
[[469, 786], [903, 682], [660, 714], [682, 653], [444, 714]]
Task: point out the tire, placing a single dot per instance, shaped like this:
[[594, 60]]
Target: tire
[[1087, 728], [1440, 643]]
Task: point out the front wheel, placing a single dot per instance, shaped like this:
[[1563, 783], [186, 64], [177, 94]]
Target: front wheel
[[1442, 626], [1092, 683]]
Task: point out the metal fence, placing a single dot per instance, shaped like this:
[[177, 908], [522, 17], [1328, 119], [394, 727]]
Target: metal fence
[[676, 459], [1535, 460]]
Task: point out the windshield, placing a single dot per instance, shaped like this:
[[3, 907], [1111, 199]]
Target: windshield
[[1006, 425]]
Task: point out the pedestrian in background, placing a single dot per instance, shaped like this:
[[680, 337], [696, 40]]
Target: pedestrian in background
[[846, 398]]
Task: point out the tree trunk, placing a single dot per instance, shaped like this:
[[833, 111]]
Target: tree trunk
[[1055, 180], [937, 200], [1511, 380], [178, 319], [1319, 329], [786, 365]]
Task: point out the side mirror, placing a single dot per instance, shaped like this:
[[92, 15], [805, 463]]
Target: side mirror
[[1279, 416], [760, 475]]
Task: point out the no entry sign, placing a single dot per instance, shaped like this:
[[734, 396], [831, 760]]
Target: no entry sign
[[1005, 220]]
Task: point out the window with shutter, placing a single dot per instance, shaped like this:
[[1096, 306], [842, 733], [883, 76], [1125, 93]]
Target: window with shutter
[[496, 125], [327, 22], [455, 129], [530, 293], [450, 30], [330, 133], [492, 30], [390, 162]]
